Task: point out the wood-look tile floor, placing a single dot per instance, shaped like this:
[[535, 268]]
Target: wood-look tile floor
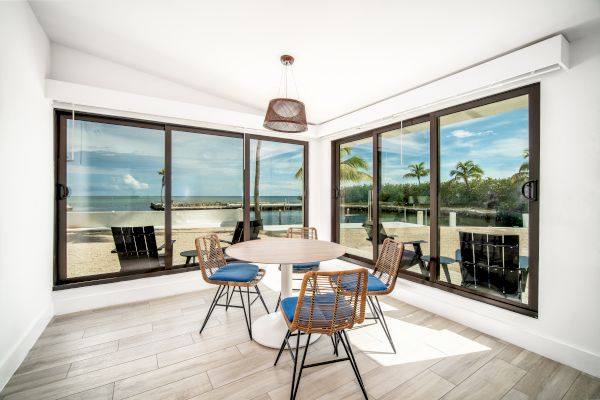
[[152, 350]]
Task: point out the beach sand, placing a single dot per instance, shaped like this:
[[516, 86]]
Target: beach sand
[[89, 252]]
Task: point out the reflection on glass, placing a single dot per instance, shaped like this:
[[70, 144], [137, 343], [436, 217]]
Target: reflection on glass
[[484, 153], [404, 212], [114, 175], [276, 187], [356, 186], [207, 190]]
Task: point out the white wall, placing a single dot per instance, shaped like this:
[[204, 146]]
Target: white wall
[[26, 192], [569, 318], [74, 66]]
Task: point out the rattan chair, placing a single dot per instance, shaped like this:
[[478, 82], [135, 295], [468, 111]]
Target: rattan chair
[[234, 275], [301, 233], [328, 308], [383, 280]]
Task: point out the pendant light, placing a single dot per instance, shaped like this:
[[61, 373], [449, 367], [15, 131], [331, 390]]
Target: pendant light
[[285, 114]]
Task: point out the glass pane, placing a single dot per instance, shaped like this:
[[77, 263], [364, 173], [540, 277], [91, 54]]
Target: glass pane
[[404, 211], [276, 187], [484, 219], [114, 174], [207, 191], [356, 185]]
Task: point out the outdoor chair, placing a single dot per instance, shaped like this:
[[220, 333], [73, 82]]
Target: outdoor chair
[[136, 248], [301, 233], [328, 308], [368, 225], [492, 260], [228, 277], [238, 233]]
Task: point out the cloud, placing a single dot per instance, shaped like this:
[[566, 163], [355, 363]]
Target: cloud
[[133, 183], [463, 133]]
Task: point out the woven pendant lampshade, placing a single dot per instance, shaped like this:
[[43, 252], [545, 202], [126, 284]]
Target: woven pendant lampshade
[[285, 114]]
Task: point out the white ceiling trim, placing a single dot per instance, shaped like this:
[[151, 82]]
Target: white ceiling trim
[[500, 73], [91, 98]]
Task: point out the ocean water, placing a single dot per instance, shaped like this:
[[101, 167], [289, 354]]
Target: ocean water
[[142, 203]]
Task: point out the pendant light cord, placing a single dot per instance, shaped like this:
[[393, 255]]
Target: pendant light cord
[[295, 83]]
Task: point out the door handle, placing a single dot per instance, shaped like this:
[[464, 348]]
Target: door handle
[[529, 190], [62, 191]]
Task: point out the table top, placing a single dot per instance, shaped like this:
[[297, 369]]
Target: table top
[[189, 253], [285, 251]]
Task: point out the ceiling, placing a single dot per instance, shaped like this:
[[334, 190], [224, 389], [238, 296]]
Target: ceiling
[[349, 53]]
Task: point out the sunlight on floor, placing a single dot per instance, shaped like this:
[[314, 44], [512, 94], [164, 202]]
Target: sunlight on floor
[[413, 342]]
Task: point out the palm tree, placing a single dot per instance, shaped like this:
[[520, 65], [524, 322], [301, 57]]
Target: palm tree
[[350, 168], [161, 172], [466, 170], [523, 173], [257, 215], [417, 171]]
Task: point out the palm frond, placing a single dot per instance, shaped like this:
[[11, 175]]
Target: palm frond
[[356, 162]]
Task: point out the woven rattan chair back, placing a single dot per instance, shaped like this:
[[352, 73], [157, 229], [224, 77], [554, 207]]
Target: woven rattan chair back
[[210, 255], [388, 263], [331, 301], [302, 233]]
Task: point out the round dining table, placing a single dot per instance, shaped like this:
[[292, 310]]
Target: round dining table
[[269, 330]]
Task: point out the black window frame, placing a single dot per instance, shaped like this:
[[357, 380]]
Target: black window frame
[[61, 116], [533, 92]]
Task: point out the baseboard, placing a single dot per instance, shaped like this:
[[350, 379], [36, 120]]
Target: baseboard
[[111, 294], [14, 358], [502, 324]]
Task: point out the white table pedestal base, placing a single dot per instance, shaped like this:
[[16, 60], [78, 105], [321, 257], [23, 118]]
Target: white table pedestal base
[[269, 330]]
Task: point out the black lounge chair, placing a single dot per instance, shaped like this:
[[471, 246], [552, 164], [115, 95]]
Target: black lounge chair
[[492, 260], [368, 225], [238, 233], [136, 248]]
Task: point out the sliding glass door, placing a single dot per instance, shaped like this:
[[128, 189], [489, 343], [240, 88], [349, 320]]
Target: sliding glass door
[[207, 189], [484, 217], [132, 196], [113, 176], [354, 209], [404, 205], [459, 188], [277, 187]]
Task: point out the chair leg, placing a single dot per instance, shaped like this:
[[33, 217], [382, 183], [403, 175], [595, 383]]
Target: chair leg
[[212, 307], [295, 365], [245, 314], [261, 299], [372, 310], [348, 349], [381, 317], [228, 298], [278, 301], [249, 311], [287, 336], [335, 347], [301, 365]]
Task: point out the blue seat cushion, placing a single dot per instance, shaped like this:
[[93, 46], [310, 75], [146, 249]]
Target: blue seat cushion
[[307, 265], [374, 284], [236, 272], [323, 308]]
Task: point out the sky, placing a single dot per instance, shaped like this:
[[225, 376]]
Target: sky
[[496, 143], [111, 160]]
